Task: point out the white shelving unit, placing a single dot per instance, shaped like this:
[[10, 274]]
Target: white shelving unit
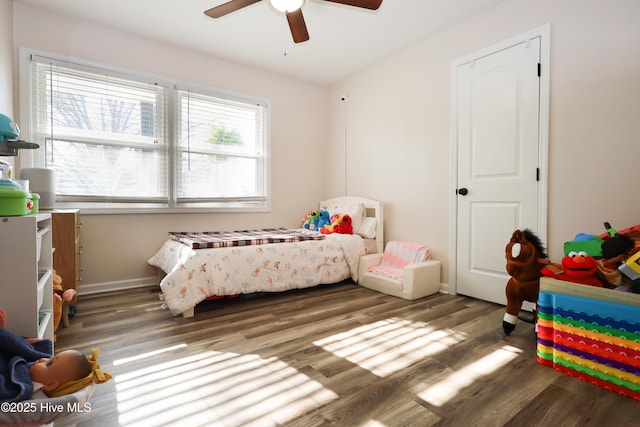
[[26, 279]]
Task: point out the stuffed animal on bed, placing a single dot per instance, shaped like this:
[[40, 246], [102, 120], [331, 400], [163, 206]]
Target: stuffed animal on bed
[[342, 225], [525, 255], [324, 219], [311, 220], [345, 226]]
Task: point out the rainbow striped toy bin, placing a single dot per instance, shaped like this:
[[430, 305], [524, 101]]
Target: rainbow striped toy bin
[[590, 333]]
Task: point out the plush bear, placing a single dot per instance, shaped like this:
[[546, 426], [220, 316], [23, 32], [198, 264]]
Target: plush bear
[[60, 296]]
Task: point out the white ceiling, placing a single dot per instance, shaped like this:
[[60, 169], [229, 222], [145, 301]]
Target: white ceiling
[[343, 39]]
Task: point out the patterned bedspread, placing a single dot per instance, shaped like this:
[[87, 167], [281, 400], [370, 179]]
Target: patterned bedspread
[[219, 239], [195, 274]]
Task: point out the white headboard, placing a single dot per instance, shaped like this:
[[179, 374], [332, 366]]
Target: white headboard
[[373, 208]]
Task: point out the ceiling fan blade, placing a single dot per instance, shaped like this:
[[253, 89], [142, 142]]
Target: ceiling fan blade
[[366, 4], [297, 25], [228, 7]]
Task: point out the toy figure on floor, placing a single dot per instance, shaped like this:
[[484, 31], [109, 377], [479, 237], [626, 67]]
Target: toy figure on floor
[[27, 366], [525, 254], [60, 297]]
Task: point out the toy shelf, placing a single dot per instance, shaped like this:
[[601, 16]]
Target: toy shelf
[[26, 279], [590, 333]]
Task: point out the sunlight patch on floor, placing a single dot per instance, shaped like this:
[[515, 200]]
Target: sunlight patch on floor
[[389, 345], [441, 392], [148, 354], [215, 387]]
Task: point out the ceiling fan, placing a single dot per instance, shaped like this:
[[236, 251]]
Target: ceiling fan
[[292, 10]]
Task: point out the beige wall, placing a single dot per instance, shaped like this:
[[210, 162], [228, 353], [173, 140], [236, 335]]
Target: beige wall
[[6, 57], [6, 62], [398, 118], [398, 121], [116, 247]]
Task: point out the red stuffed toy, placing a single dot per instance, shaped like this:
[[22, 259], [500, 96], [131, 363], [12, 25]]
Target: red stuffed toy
[[341, 224], [577, 267]]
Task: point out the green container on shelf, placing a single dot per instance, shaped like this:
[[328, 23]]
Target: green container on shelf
[[35, 198], [14, 202]]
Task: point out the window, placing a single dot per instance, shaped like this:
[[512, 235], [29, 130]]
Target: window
[[219, 153], [121, 141]]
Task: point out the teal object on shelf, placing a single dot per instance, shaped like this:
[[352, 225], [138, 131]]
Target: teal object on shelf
[[8, 128]]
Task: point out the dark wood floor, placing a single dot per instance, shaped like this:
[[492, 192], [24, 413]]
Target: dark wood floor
[[333, 355]]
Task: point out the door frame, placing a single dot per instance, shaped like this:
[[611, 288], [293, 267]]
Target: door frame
[[544, 32]]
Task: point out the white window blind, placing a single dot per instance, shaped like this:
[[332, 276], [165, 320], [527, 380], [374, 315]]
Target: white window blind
[[221, 150], [104, 135], [120, 140]]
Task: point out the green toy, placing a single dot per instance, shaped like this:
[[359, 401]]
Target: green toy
[[311, 220]]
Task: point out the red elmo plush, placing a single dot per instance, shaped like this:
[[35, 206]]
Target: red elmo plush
[[341, 224], [577, 267]]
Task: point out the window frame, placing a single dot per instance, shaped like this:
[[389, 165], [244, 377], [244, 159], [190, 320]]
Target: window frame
[[173, 203]]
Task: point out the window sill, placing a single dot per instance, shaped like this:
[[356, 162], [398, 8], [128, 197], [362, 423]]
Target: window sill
[[143, 208]]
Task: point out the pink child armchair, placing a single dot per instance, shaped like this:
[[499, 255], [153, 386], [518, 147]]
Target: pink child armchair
[[404, 270]]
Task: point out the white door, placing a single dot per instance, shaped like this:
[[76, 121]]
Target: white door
[[498, 170]]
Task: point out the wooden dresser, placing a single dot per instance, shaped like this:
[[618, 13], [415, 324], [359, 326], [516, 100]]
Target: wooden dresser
[[67, 248]]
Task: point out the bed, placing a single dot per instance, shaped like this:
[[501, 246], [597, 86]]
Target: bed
[[199, 265]]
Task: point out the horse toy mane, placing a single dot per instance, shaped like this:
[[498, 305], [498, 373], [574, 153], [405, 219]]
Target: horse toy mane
[[536, 242], [524, 253]]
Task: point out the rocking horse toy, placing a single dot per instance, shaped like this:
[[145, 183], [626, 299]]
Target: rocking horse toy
[[525, 254]]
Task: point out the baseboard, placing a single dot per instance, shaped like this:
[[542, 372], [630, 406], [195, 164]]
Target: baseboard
[[142, 282], [118, 285], [444, 288]]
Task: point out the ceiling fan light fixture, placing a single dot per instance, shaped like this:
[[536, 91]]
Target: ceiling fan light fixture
[[286, 5]]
